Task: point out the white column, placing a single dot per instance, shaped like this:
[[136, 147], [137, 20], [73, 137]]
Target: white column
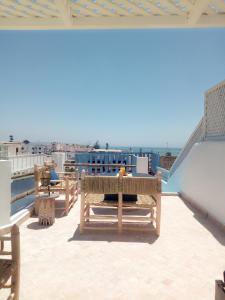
[[142, 165], [5, 191], [59, 158]]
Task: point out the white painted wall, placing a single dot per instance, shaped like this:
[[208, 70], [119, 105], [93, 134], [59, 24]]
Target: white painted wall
[[27, 161], [59, 158], [5, 191], [201, 178], [142, 165]]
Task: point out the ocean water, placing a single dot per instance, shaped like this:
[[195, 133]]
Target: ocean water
[[160, 150]]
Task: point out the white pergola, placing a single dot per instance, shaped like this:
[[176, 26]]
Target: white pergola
[[103, 14]]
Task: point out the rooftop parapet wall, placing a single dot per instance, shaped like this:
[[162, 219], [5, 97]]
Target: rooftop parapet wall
[[201, 178]]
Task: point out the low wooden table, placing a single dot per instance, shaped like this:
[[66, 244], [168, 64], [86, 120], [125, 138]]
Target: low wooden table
[[46, 209]]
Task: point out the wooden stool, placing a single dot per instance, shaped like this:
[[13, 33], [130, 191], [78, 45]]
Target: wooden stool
[[46, 211]]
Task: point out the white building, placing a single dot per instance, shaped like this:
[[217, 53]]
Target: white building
[[10, 149]]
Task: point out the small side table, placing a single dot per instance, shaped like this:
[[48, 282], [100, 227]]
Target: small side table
[[46, 210]]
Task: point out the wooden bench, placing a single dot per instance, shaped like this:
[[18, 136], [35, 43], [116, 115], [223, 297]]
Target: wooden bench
[[148, 199], [66, 187], [10, 261]]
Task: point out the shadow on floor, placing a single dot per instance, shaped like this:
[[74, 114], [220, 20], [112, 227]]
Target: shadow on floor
[[114, 236], [126, 212], [36, 226], [203, 219]]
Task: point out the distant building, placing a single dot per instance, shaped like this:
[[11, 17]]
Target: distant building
[[167, 161], [35, 148], [103, 158], [8, 149]]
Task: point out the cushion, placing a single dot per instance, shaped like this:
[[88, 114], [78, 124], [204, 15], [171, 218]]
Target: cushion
[[54, 176]]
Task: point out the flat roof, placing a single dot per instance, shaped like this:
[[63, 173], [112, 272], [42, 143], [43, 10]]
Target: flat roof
[[108, 14], [105, 150], [10, 143]]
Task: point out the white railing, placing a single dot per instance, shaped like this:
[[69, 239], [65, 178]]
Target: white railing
[[197, 136], [164, 173], [212, 125], [25, 163], [215, 112]]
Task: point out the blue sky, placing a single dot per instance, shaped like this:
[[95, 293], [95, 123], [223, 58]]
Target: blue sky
[[128, 87]]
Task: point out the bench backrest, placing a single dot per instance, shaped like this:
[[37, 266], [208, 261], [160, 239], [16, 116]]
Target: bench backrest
[[140, 185], [100, 184], [125, 185]]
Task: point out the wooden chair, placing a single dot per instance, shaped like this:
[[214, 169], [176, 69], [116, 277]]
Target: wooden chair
[[146, 189], [220, 288], [10, 266], [66, 187]]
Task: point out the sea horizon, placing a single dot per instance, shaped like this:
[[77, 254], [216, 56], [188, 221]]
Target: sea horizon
[[161, 150]]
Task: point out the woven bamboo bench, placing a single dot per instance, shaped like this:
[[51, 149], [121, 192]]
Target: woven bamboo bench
[[66, 187], [10, 266], [148, 199]]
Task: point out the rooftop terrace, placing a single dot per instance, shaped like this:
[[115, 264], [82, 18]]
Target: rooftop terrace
[[183, 263]]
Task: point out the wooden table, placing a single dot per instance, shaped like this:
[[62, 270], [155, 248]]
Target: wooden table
[[46, 209]]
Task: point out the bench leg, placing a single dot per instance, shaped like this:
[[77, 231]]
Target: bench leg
[[158, 215], [120, 212], [82, 206]]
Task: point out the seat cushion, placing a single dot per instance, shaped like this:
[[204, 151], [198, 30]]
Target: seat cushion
[[6, 269], [145, 200], [99, 199], [54, 176], [95, 198]]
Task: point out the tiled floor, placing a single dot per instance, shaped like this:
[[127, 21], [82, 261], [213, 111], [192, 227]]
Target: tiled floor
[[183, 263]]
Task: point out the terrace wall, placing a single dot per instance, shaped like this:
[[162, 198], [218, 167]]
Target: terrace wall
[[200, 178]]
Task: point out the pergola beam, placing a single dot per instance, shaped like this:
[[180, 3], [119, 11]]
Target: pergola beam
[[111, 22], [197, 10], [65, 11]]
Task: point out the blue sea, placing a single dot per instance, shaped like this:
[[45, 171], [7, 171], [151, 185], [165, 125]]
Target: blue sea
[[160, 150]]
